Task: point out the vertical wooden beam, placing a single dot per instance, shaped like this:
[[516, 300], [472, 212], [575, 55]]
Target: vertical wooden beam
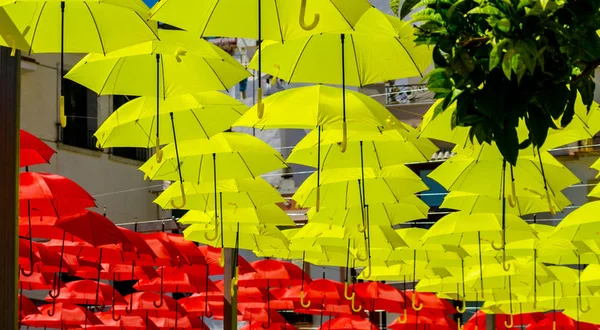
[[230, 302], [10, 84], [490, 322]]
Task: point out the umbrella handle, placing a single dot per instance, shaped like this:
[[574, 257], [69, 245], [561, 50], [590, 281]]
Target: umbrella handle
[[158, 304], [460, 327], [553, 324], [505, 266], [304, 304], [416, 308], [501, 244], [222, 258], [302, 18], [234, 280], [159, 153], [402, 319], [56, 287], [344, 143], [260, 106], [511, 323], [358, 256], [53, 308], [348, 297], [512, 198], [361, 228], [25, 273], [113, 302], [551, 208], [463, 308], [357, 309], [213, 237], [183, 200], [581, 305], [318, 204], [113, 314]]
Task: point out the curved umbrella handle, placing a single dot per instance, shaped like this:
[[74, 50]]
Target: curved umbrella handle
[[302, 18], [357, 309], [183, 200], [463, 308], [460, 327], [56, 287], [501, 243], [415, 307], [505, 266], [113, 314], [361, 228], [213, 238], [113, 301], [348, 297], [510, 323], [25, 273], [129, 309], [581, 305], [358, 256], [159, 152], [344, 143], [159, 304], [222, 258], [53, 308], [402, 319], [304, 304], [367, 271]]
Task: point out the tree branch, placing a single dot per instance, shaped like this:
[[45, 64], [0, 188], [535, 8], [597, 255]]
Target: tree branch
[[589, 68]]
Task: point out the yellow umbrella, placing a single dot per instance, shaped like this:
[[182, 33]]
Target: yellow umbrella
[[315, 106], [177, 64], [268, 214], [476, 203], [232, 194], [579, 225], [281, 20], [75, 26], [381, 214], [262, 237], [348, 59], [343, 188], [195, 116]]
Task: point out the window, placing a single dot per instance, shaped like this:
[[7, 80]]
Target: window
[[141, 154], [81, 109]]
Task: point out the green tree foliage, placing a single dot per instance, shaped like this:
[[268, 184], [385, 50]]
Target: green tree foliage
[[505, 60]]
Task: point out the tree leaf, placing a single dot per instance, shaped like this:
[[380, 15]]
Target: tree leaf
[[407, 7], [438, 57], [554, 100], [486, 10], [525, 144], [453, 8], [507, 141], [567, 116], [496, 53], [450, 98], [439, 81], [586, 88], [395, 6], [506, 62]]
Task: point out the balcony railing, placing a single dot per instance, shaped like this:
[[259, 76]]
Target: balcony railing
[[407, 94]]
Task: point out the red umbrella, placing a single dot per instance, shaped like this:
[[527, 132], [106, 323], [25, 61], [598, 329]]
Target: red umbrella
[[35, 256], [379, 296], [140, 303], [37, 281], [32, 151], [180, 322], [119, 272], [212, 255], [422, 322], [191, 279], [348, 323], [190, 251], [26, 307], [246, 294], [144, 255], [428, 303], [519, 319], [167, 254], [61, 315], [330, 310], [130, 322], [94, 228], [274, 273], [274, 326], [86, 292], [562, 321], [51, 194]]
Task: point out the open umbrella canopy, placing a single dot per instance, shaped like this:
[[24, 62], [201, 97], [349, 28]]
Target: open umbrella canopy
[[26, 306], [87, 292], [185, 279], [157, 305], [276, 20], [235, 156], [130, 322], [274, 273], [478, 320], [558, 320], [180, 64], [196, 116], [367, 57], [348, 323], [51, 194], [379, 296], [87, 25], [212, 255], [60, 315], [268, 214], [33, 151]]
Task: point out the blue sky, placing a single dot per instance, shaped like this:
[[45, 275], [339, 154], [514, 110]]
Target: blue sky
[[150, 3]]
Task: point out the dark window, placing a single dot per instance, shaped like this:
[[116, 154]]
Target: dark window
[[141, 154], [81, 109]]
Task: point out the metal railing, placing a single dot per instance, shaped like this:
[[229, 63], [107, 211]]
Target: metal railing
[[407, 94], [78, 136], [141, 154]]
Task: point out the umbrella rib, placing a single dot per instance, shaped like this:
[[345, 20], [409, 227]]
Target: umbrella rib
[[97, 29], [325, 158], [35, 30], [146, 23], [162, 69], [143, 131], [410, 56], [119, 61], [200, 168], [245, 164], [149, 139], [341, 14], [199, 123], [208, 19], [216, 75], [298, 59], [278, 20], [376, 155], [360, 82], [391, 190]]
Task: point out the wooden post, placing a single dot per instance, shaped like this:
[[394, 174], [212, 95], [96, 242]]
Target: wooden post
[[490, 321], [10, 84], [229, 301]]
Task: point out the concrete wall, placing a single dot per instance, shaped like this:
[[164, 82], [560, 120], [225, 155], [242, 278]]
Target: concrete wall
[[115, 182]]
